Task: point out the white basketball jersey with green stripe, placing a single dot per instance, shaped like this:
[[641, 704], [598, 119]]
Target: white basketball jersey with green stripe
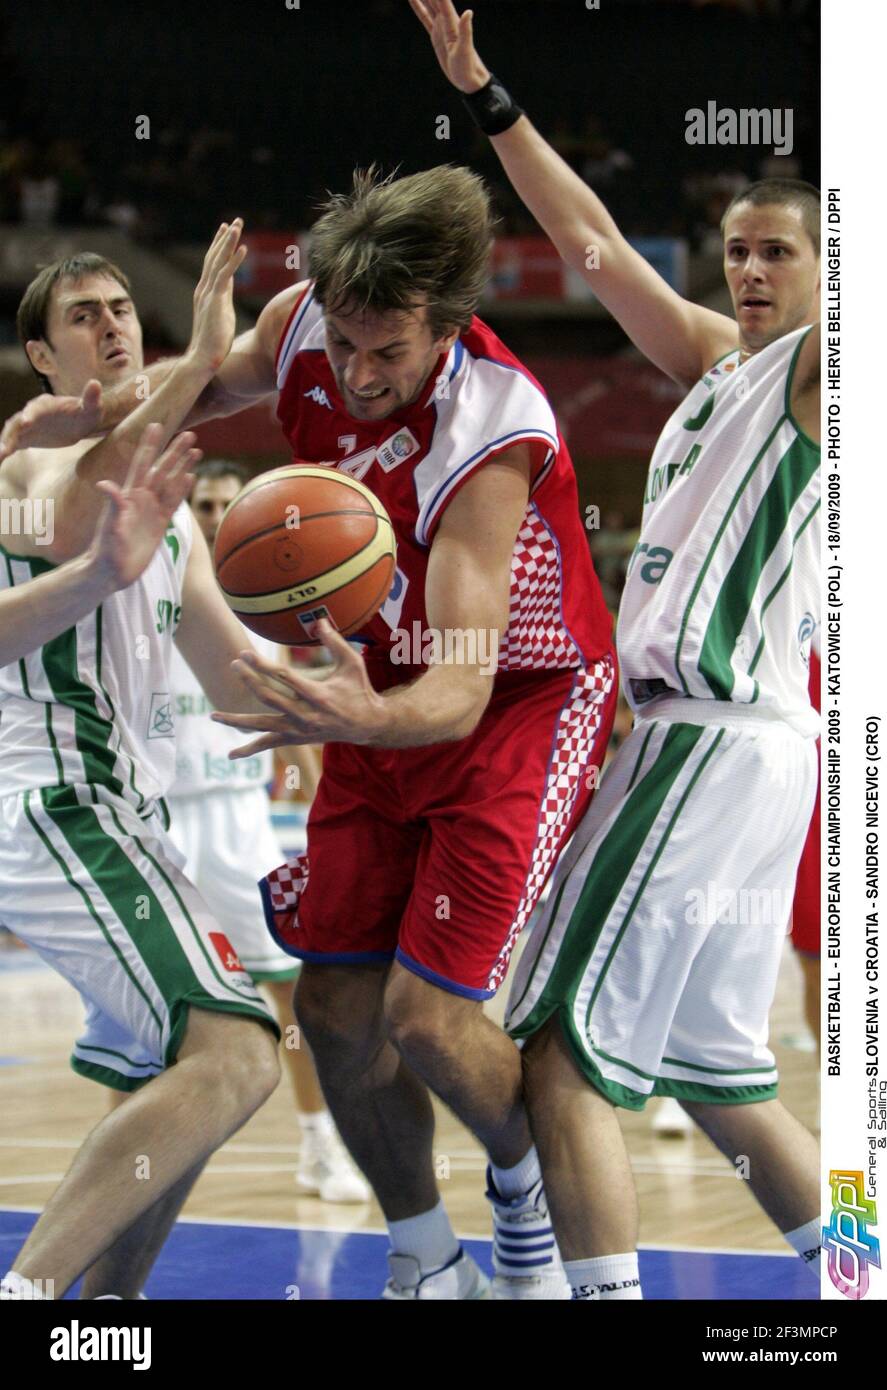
[[722, 594], [93, 706]]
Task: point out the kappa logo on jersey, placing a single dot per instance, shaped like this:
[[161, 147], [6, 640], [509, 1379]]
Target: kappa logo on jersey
[[318, 396], [394, 450], [160, 720], [226, 953], [172, 541]]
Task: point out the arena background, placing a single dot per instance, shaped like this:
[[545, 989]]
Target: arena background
[[257, 109]]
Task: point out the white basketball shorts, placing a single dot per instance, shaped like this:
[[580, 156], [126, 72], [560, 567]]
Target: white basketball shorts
[[99, 893], [659, 946]]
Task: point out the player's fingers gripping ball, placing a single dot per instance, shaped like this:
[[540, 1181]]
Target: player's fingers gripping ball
[[302, 543]]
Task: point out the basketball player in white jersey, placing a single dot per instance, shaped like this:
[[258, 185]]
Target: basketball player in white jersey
[[653, 968], [131, 528], [221, 823], [88, 876]]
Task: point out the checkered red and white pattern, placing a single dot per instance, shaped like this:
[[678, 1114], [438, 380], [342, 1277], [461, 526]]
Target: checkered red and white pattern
[[537, 638], [577, 732], [284, 887]]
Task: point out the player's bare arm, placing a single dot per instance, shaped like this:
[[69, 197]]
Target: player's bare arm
[[247, 374], [245, 377], [52, 422], [70, 476], [681, 338], [467, 592], [133, 525]]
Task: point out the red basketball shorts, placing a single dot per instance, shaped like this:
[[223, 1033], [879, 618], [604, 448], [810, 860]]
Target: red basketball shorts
[[436, 856], [807, 906]]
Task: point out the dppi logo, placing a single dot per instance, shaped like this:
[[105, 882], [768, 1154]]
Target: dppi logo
[[850, 1247]]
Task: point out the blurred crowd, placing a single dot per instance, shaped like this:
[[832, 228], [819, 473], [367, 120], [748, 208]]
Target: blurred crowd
[[174, 185]]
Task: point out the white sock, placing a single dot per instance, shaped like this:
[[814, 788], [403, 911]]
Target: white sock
[[607, 1276], [318, 1123], [807, 1242], [514, 1182], [15, 1285], [428, 1238]]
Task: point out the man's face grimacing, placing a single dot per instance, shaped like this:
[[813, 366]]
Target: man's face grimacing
[[382, 361], [772, 272], [92, 332], [209, 499]]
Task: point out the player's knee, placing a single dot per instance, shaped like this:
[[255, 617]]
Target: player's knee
[[238, 1056], [263, 1059], [421, 1020], [335, 1011]]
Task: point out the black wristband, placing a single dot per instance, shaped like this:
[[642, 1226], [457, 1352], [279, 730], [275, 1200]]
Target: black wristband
[[492, 108]]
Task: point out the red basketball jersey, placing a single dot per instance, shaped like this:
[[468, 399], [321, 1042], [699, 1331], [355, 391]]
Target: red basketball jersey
[[477, 402]]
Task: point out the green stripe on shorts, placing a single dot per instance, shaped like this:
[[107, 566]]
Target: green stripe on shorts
[[612, 864]]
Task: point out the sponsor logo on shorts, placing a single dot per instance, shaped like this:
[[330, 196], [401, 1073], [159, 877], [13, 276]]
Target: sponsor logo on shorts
[[226, 953], [846, 1238]]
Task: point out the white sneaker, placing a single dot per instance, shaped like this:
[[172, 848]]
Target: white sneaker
[[461, 1278], [326, 1171], [526, 1262], [670, 1120]]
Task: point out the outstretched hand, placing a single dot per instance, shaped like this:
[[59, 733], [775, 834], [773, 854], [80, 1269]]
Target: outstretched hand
[[52, 422], [453, 40], [137, 515], [214, 319], [339, 706]]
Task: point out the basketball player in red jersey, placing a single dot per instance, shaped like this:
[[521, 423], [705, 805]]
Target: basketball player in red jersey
[[448, 789]]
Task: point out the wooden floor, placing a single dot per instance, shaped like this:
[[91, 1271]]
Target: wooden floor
[[689, 1195]]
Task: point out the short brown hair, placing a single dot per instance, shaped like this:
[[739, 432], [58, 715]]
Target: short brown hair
[[787, 193], [33, 311], [392, 244]]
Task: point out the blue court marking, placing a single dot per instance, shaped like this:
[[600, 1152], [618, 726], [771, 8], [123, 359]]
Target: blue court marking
[[202, 1260], [16, 1061]]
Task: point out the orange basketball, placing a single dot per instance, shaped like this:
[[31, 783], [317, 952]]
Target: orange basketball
[[302, 543]]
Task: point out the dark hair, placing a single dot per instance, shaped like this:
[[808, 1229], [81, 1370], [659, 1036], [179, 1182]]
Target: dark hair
[[786, 192], [33, 311], [392, 244], [220, 468]]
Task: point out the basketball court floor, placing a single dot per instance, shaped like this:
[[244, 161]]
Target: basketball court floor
[[247, 1234]]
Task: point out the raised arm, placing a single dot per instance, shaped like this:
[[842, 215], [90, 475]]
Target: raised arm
[[70, 478], [133, 525], [246, 376], [681, 338]]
